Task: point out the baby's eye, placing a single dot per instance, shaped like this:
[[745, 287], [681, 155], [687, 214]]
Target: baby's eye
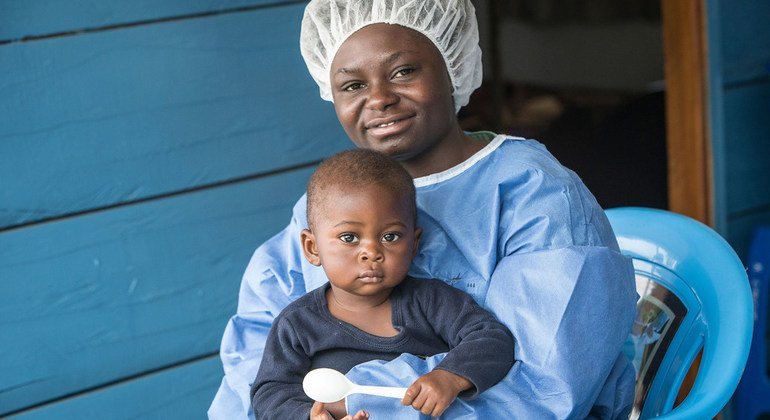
[[391, 237], [348, 238]]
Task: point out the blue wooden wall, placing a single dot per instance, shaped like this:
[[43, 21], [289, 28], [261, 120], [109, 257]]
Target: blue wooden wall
[[146, 149], [739, 93]]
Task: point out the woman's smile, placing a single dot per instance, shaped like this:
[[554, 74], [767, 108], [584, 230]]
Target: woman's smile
[[382, 128]]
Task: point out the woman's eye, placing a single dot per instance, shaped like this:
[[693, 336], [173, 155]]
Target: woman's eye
[[348, 238], [353, 86], [391, 237], [403, 72]]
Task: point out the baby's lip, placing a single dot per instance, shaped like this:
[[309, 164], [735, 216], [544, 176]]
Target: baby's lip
[[371, 276], [372, 273]]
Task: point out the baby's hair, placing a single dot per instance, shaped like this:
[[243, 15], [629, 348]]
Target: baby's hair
[[354, 169]]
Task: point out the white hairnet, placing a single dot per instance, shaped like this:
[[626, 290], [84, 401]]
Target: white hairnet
[[449, 24]]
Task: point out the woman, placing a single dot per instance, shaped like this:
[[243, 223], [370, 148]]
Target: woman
[[501, 219]]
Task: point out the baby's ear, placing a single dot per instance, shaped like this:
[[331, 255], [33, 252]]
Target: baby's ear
[[417, 235], [309, 247]]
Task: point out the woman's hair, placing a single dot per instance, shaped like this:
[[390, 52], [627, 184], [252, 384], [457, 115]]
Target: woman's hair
[[450, 24], [355, 169]]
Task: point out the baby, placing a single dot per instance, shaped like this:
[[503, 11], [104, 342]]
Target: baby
[[362, 215]]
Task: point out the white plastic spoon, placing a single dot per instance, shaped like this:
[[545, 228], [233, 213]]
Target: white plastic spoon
[[328, 385]]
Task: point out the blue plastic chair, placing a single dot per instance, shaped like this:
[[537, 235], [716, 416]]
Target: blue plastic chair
[[752, 398], [694, 294]]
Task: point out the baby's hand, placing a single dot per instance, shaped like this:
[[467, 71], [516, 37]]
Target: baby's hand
[[320, 411], [433, 392]]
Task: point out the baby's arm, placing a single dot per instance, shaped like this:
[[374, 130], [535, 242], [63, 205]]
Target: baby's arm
[[277, 390], [481, 349], [275, 277]]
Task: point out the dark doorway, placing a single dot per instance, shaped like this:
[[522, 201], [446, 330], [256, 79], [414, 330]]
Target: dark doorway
[[585, 79]]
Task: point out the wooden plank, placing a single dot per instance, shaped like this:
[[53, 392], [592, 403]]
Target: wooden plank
[[113, 117], [182, 392], [745, 34], [93, 299], [20, 19], [684, 51], [747, 147]]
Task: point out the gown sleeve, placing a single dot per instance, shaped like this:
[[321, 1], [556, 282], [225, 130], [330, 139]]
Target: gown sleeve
[[570, 315], [568, 296], [276, 275]]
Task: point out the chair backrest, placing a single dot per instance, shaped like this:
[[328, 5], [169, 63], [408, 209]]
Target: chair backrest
[[694, 295]]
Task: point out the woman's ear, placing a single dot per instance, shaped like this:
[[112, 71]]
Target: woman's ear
[[309, 247]]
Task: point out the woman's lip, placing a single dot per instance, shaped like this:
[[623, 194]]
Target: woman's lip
[[391, 128], [385, 121]]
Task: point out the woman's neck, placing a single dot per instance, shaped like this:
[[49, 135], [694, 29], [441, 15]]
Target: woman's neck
[[451, 151]]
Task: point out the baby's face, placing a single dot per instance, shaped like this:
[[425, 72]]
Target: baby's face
[[365, 239]]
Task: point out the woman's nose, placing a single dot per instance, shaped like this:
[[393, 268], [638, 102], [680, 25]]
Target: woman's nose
[[381, 96]]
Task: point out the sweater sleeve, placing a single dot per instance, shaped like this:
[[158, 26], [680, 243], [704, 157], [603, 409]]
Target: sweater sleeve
[[481, 348], [277, 390]]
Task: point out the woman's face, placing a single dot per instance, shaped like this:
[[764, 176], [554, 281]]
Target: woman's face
[[392, 92]]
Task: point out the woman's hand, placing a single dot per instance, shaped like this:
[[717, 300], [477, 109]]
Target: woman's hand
[[332, 411], [433, 392]]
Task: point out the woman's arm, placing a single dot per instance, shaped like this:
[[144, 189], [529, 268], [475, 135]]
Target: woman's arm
[[570, 310]]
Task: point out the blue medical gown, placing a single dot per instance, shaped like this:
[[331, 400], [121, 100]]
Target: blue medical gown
[[523, 236]]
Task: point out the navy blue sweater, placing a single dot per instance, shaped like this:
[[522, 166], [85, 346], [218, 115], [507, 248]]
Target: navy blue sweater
[[431, 317]]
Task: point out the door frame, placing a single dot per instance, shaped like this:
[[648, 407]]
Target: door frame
[[685, 57]]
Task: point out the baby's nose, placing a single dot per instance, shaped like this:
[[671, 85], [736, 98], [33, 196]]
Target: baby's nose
[[372, 253]]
